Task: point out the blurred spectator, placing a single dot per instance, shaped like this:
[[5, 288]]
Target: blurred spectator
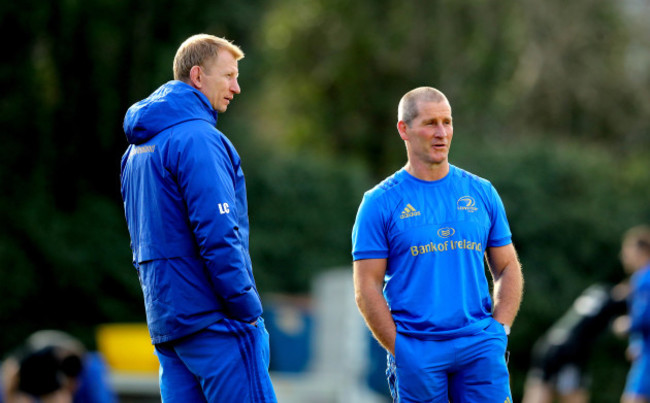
[[54, 367], [560, 356], [635, 257]]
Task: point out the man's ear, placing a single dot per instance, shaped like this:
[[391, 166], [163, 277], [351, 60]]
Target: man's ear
[[401, 129], [196, 77]]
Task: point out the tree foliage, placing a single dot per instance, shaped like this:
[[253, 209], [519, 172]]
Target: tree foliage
[[550, 103], [336, 71]]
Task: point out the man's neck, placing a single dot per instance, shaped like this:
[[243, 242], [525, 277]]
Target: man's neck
[[428, 172]]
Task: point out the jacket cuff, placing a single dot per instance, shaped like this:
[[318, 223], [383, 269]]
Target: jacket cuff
[[245, 307]]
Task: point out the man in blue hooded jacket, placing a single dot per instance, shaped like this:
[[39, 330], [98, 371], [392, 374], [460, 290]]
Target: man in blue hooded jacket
[[185, 203]]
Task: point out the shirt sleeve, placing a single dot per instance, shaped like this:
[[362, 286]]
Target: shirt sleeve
[[500, 234], [369, 239], [206, 174], [640, 308]]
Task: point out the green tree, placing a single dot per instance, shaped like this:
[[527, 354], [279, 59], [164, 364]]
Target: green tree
[[549, 103]]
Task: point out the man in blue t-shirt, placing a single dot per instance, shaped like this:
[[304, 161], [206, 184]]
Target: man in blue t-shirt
[[635, 257], [419, 243]]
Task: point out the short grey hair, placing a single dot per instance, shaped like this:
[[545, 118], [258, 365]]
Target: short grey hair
[[407, 110]]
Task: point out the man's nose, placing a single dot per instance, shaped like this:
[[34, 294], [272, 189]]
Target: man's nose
[[235, 87], [439, 130]]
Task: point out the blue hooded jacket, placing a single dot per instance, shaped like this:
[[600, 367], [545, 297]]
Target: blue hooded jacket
[[185, 203]]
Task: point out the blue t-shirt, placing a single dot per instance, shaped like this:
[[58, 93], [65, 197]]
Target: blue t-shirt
[[433, 235], [639, 307]]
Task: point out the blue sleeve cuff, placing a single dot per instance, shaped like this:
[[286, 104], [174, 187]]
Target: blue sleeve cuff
[[373, 254], [245, 307], [495, 243]]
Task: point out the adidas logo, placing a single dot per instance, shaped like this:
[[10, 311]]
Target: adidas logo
[[409, 211]]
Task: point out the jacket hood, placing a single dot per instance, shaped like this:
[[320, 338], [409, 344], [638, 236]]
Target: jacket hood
[[173, 103]]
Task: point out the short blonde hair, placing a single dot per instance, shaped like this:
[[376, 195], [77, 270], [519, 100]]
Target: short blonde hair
[[197, 49], [407, 110]]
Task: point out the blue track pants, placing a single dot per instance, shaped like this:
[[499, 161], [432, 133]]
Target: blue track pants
[[227, 362]]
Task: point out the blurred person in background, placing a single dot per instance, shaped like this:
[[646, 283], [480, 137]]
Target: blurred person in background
[[186, 209], [419, 244], [635, 258], [560, 356], [54, 367]]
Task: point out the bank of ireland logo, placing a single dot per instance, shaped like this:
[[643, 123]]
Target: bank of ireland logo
[[466, 203], [446, 232]]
